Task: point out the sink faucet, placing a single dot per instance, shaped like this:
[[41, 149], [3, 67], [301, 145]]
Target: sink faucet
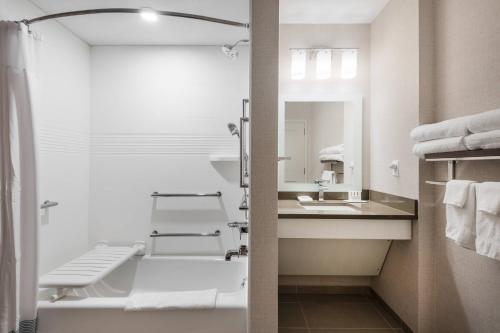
[[321, 189], [242, 251]]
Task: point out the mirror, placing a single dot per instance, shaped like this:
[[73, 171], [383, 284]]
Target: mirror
[[320, 140]]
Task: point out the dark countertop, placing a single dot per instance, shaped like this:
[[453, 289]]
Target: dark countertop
[[291, 209]]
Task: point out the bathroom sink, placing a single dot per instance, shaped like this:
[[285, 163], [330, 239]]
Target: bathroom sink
[[328, 206]]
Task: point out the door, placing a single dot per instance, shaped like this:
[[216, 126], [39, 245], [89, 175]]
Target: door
[[295, 148]]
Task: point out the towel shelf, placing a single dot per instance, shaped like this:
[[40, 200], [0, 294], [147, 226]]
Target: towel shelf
[[453, 157], [171, 195]]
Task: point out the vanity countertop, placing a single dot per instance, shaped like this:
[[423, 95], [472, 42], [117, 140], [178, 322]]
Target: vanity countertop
[[291, 209]]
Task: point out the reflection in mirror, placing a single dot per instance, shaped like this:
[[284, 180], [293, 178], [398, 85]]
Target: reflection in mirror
[[320, 140], [314, 142]]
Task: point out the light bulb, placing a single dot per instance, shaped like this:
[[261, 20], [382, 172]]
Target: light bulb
[[149, 14], [298, 64], [349, 68], [323, 64]]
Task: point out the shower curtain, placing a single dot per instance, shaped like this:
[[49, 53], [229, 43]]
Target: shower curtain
[[18, 182]]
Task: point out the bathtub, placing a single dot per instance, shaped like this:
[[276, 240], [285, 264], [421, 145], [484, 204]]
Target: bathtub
[[100, 307]]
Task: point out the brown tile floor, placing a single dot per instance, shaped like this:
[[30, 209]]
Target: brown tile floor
[[315, 313]]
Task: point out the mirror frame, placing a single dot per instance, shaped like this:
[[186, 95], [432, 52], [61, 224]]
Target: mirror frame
[[357, 173]]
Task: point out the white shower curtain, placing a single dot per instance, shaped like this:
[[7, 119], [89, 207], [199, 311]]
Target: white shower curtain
[[18, 182]]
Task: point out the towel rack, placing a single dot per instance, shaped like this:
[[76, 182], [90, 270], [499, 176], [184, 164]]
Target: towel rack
[[171, 195], [155, 233], [453, 157]]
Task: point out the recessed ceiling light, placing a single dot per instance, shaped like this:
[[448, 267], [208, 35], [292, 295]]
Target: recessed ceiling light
[[149, 14]]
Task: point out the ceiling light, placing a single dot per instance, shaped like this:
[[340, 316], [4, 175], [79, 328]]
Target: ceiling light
[[323, 64], [298, 64], [149, 15], [349, 68]]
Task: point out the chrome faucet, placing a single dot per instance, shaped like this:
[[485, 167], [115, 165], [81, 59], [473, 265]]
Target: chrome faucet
[[242, 251], [321, 189]]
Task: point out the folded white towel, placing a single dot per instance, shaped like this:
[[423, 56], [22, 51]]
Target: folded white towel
[[460, 200], [193, 299], [488, 219], [338, 149], [439, 146], [444, 129], [484, 140], [484, 122], [329, 176], [332, 157], [304, 198]]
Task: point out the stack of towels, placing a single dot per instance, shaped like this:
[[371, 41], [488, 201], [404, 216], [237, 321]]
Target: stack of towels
[[479, 131], [473, 216], [332, 153]]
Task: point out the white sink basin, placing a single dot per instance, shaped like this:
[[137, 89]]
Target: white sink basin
[[335, 208]]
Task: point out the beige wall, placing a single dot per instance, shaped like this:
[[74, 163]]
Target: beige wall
[[394, 91], [263, 264], [467, 69], [335, 36], [395, 111]]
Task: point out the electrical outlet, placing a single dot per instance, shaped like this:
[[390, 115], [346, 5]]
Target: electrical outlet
[[354, 195], [394, 166]]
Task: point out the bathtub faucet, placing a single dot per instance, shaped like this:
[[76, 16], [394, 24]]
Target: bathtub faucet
[[242, 251]]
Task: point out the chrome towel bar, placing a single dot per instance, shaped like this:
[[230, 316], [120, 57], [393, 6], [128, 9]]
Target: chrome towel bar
[[155, 233], [48, 204], [170, 195]]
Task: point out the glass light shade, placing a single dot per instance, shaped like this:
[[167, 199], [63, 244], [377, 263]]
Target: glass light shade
[[323, 64], [298, 64], [349, 68]]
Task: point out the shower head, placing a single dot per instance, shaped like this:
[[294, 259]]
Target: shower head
[[233, 129], [230, 49]]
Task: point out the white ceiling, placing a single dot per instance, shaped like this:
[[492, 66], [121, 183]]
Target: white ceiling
[[330, 11], [125, 29]]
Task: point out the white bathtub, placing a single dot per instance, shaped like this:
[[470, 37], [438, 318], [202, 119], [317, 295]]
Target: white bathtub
[[99, 308]]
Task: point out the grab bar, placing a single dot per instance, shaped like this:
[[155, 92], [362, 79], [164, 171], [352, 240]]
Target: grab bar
[[48, 204], [155, 233], [170, 195]]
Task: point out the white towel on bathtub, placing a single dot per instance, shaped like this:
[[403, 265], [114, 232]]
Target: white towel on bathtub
[[172, 300]]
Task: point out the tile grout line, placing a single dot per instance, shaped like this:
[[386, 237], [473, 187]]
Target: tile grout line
[[303, 315]]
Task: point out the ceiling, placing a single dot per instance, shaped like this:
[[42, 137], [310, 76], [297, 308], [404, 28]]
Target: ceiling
[[130, 29], [330, 11]]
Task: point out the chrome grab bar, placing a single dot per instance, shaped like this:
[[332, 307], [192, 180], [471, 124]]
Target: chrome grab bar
[[243, 153], [155, 233], [48, 204], [171, 195]]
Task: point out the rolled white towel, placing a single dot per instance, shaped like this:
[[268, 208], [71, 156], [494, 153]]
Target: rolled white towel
[[484, 140], [460, 201], [488, 219], [173, 300], [439, 146], [484, 122], [444, 129], [338, 149]]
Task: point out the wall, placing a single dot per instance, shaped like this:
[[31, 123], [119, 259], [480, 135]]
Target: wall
[[62, 120], [467, 77], [395, 111], [263, 266], [394, 89], [335, 36], [158, 112]]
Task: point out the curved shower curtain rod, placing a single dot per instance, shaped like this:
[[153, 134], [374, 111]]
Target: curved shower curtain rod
[[134, 11]]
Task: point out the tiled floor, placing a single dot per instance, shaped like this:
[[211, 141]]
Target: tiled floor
[[317, 313]]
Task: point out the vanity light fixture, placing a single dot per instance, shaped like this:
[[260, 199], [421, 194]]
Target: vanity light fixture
[[349, 69], [323, 64], [149, 15], [298, 64]]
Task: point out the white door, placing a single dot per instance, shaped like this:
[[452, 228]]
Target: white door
[[295, 147]]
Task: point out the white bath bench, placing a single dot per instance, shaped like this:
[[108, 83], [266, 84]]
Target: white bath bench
[[89, 268]]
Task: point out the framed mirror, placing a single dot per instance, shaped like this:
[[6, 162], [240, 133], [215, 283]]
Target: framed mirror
[[320, 139]]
